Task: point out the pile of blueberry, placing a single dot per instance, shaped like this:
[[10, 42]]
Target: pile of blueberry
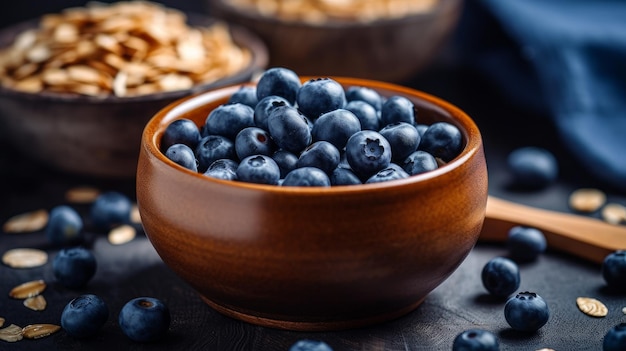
[[316, 133]]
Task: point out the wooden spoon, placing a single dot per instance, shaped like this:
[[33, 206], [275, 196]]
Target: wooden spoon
[[586, 237]]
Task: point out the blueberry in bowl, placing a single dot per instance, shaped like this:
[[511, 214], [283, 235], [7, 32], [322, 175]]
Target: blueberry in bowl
[[295, 253]]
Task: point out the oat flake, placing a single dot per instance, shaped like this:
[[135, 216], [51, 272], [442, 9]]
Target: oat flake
[[592, 307], [26, 222], [12, 333], [24, 258]]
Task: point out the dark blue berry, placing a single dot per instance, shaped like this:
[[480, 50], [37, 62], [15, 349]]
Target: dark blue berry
[[182, 155], [320, 95], [421, 128], [286, 161], [144, 319], [403, 138], [228, 120], [526, 312], [532, 167], [254, 141], [65, 226], [442, 140], [259, 169], [365, 94], [336, 127], [615, 338], [74, 267], [525, 244], [310, 345], [212, 148], [392, 172], [279, 81], [501, 277], [306, 176], [476, 340], [397, 109], [614, 270], [180, 131], [245, 95], [264, 107], [366, 113], [84, 316], [289, 128], [223, 168], [367, 152], [419, 162], [320, 154], [344, 176], [111, 208]]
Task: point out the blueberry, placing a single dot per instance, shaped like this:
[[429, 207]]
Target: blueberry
[[525, 244], [443, 140], [245, 95], [320, 154], [212, 148], [526, 312], [286, 161], [306, 176], [278, 81], [228, 120], [223, 168], [392, 172], [289, 128], [367, 152], [144, 319], [74, 267], [403, 138], [344, 176], [310, 345], [264, 107], [614, 270], [65, 226], [320, 95], [84, 316], [419, 162], [476, 340], [366, 113], [336, 127], [180, 131], [182, 155], [111, 208], [532, 167], [397, 109], [365, 94], [259, 169], [501, 276], [254, 141], [421, 128], [615, 338]]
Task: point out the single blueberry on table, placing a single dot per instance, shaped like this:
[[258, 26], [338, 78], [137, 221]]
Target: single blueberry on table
[[264, 107], [442, 140], [615, 338], [228, 120], [286, 161], [367, 152], [180, 131], [403, 138], [525, 244], [320, 154], [419, 162], [476, 340], [397, 109], [501, 277], [223, 168], [366, 113], [254, 141], [365, 94], [65, 226], [614, 270], [182, 155], [392, 172], [289, 128], [344, 176], [245, 95], [74, 267], [212, 148], [336, 127], [310, 345], [526, 312], [320, 95], [111, 208], [279, 81], [260, 169], [532, 167], [144, 319], [84, 316], [306, 176]]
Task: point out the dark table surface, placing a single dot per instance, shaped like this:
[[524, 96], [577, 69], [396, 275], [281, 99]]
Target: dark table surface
[[134, 269]]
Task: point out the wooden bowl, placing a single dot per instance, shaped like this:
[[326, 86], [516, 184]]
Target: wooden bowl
[[97, 136], [390, 50], [313, 259]]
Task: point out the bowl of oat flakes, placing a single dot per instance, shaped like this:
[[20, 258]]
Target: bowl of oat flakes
[[387, 40], [77, 87]]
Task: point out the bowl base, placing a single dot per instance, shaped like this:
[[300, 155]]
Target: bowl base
[[311, 326]]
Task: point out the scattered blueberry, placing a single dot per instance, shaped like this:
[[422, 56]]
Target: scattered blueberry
[[443, 140], [320, 154], [320, 95], [144, 319], [180, 131], [306, 176], [501, 276], [74, 267], [212, 148], [525, 244], [336, 127], [260, 169], [615, 338], [397, 109], [111, 208], [228, 120], [84, 316], [403, 138], [182, 155], [366, 113], [254, 141], [224, 168], [526, 312], [245, 95], [279, 81], [419, 162], [614, 270], [532, 167], [367, 152], [310, 345], [65, 226], [289, 128], [476, 340]]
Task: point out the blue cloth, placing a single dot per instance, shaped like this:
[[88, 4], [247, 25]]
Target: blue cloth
[[569, 60]]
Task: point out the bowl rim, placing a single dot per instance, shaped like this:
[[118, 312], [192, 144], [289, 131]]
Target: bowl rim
[[241, 35], [155, 127]]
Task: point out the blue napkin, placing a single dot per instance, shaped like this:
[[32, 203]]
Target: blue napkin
[[567, 59]]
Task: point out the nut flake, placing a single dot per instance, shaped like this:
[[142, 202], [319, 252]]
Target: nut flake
[[591, 307], [37, 331], [587, 200], [122, 234], [12, 333], [614, 213], [82, 194], [24, 258], [26, 222], [36, 303], [1, 321], [28, 289]]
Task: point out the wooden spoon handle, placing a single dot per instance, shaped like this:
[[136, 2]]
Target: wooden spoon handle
[[586, 237]]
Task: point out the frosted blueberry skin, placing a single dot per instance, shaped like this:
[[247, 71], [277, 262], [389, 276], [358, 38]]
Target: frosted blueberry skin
[[253, 141], [228, 120], [526, 312], [615, 338], [289, 128], [614, 270], [476, 340], [397, 109], [180, 131], [306, 176], [403, 138], [260, 169], [112, 208], [278, 81], [367, 115], [367, 152], [245, 95], [264, 107], [84, 316], [336, 127], [144, 319], [310, 345], [344, 176], [212, 148], [65, 226], [501, 277], [320, 154], [182, 155], [286, 161], [224, 168], [442, 140], [320, 95], [532, 167], [419, 162], [74, 267], [365, 94], [526, 244]]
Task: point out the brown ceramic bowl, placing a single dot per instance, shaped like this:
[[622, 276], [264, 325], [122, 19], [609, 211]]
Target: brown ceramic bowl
[[313, 258], [390, 50], [97, 136]]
